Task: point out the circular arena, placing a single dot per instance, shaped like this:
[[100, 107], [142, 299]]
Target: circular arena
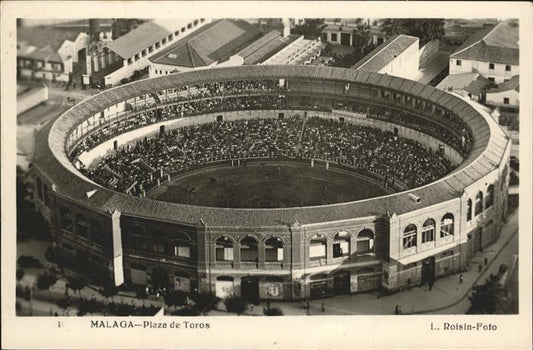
[[272, 182]]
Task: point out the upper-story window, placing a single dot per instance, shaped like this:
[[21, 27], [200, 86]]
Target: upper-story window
[[66, 219], [507, 68], [273, 249], [341, 244], [97, 235], [458, 62], [489, 200], [469, 210], [506, 100], [317, 248], [82, 226], [409, 236], [224, 249], [479, 204], [447, 225], [491, 66], [428, 231], [365, 242], [333, 36], [249, 251]]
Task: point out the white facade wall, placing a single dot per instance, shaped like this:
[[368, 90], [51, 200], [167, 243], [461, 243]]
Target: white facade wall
[[140, 61], [405, 65], [499, 73], [69, 48], [497, 98], [157, 69]]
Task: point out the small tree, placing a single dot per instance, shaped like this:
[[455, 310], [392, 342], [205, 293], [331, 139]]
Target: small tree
[[20, 274], [175, 298], [204, 301], [274, 311], [487, 298], [109, 290], [46, 280], [77, 283], [235, 304]]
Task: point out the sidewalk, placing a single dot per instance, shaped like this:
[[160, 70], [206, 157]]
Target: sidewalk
[[445, 294]]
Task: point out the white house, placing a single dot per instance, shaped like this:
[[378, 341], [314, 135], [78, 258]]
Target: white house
[[506, 95], [399, 56], [120, 58], [493, 52], [215, 44], [472, 85]]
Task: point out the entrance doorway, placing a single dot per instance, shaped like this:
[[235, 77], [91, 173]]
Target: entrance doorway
[[250, 289], [428, 270], [341, 282], [478, 235], [224, 287], [345, 39]]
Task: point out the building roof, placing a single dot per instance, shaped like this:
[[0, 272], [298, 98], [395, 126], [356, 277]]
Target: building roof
[[298, 52], [339, 28], [511, 84], [473, 83], [51, 160], [43, 36], [385, 53], [264, 47], [144, 36], [498, 44], [214, 42]]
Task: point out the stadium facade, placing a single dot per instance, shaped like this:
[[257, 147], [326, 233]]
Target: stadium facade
[[391, 242]]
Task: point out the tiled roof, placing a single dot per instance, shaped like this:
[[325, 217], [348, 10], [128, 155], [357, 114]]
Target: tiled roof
[[214, 42], [264, 47], [512, 84], [145, 36], [51, 159], [498, 44], [474, 83], [385, 53], [44, 36]]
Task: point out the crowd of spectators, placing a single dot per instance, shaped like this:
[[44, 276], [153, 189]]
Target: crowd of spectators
[[134, 168]]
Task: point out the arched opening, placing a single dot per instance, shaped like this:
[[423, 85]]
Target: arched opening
[[97, 235], [138, 238], [273, 249], [446, 225], [158, 242], [409, 236], [224, 286], [428, 231], [66, 219], [341, 244], [82, 226], [489, 200], [469, 210], [479, 204], [249, 251], [317, 248], [365, 242], [224, 249]]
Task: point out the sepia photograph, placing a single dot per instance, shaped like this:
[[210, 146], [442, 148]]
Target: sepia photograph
[[185, 169]]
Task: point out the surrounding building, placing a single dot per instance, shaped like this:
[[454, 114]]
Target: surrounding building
[[48, 53], [399, 56], [119, 59], [493, 52], [217, 43], [506, 95], [398, 241], [472, 85]]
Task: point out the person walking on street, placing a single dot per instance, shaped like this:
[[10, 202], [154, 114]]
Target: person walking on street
[[486, 261], [322, 307], [397, 310], [461, 277], [307, 307], [479, 268]]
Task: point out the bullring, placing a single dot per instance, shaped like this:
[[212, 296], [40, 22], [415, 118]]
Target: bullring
[[405, 238]]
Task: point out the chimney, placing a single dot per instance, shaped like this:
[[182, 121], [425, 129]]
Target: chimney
[[286, 27]]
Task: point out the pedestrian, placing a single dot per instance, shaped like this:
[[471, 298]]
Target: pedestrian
[[252, 307], [486, 261], [461, 277], [307, 306], [430, 285], [479, 268], [397, 310], [322, 307]]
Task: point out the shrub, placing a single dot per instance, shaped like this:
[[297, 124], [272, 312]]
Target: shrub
[[205, 301], [141, 293], [235, 304], [175, 298], [273, 311], [188, 311], [29, 262], [20, 274]]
